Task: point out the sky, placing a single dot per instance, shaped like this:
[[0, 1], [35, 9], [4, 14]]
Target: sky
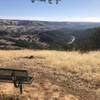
[[66, 10]]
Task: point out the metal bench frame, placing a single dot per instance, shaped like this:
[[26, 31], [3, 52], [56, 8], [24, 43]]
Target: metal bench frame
[[15, 76]]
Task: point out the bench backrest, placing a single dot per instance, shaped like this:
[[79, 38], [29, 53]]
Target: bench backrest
[[21, 75]]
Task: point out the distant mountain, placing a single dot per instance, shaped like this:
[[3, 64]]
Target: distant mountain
[[19, 34], [25, 25]]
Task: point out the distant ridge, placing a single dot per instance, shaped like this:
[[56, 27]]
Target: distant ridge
[[51, 24]]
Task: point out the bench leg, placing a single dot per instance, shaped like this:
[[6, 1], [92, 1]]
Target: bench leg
[[15, 84], [21, 87]]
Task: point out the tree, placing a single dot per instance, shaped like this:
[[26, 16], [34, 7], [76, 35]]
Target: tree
[[96, 39], [49, 1]]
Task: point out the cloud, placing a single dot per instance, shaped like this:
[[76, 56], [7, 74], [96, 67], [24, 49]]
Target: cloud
[[89, 19]]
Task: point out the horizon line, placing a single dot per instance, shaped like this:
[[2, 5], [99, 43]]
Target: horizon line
[[49, 19]]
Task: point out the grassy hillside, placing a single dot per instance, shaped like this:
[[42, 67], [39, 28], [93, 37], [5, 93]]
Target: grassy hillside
[[58, 75]]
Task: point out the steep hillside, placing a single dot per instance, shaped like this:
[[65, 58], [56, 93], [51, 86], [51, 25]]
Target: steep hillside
[[19, 34]]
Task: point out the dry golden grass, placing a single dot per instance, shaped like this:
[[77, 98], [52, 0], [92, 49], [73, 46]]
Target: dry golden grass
[[58, 75]]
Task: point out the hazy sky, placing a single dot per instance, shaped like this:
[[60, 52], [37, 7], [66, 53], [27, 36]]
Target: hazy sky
[[67, 10]]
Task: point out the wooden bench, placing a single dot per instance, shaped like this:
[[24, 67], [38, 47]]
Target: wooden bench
[[16, 76]]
